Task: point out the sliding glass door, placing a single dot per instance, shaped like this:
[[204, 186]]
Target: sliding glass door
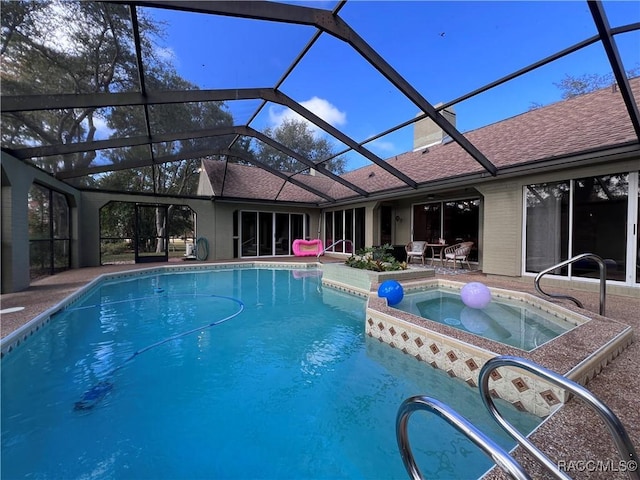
[[547, 226], [596, 215], [268, 234], [344, 230], [600, 207], [455, 221]]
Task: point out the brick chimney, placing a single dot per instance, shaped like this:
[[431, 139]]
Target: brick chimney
[[426, 133]]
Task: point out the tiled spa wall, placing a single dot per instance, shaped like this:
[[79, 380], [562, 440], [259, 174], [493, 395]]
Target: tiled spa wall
[[464, 361]]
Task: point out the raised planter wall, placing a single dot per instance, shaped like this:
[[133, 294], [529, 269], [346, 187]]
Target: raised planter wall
[[361, 282]]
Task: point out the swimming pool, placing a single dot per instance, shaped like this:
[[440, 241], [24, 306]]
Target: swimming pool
[[506, 321], [291, 387]]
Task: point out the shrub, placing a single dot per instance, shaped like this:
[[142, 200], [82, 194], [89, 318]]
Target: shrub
[[377, 259], [116, 248]]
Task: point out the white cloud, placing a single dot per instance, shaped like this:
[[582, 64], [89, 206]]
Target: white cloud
[[319, 106], [326, 111], [382, 148]]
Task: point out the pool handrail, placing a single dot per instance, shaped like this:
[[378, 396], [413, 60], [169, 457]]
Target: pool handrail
[[488, 446], [603, 280], [620, 436], [500, 457], [333, 245]]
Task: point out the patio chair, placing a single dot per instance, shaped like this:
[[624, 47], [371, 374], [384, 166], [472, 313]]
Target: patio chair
[[416, 249], [459, 251]]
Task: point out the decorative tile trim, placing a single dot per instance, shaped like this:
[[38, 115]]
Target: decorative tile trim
[[442, 346], [343, 287], [471, 363], [462, 360], [550, 397], [520, 384]]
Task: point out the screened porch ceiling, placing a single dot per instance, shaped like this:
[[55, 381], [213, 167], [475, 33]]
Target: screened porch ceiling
[[132, 96]]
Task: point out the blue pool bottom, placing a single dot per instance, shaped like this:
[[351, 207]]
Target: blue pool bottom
[[291, 388]]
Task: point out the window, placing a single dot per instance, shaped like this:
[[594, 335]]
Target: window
[[347, 225], [547, 225], [585, 215], [600, 221], [266, 234], [427, 222], [456, 221], [49, 232]]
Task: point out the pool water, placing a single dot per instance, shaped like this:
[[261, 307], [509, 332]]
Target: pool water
[[291, 387], [517, 324]]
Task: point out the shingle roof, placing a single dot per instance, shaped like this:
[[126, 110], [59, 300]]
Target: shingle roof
[[591, 121], [244, 181]]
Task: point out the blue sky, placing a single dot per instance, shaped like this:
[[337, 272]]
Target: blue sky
[[445, 49]]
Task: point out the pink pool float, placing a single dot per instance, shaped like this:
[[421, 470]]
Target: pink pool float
[[307, 248]]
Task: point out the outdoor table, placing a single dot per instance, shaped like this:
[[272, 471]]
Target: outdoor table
[[440, 247]]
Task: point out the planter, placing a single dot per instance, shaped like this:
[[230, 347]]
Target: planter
[[362, 281]]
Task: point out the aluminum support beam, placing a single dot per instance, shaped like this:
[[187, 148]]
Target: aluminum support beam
[[239, 130], [48, 102], [282, 99], [610, 47], [287, 151], [173, 158], [335, 26]]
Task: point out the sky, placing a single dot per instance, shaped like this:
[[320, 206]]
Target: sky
[[444, 49]]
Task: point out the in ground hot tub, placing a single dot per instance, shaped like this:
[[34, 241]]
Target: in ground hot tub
[[506, 320], [460, 341]]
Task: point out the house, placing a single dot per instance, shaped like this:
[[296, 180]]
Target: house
[[568, 184], [528, 191]]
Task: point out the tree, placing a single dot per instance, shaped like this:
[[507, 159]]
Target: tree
[[179, 177], [298, 136], [87, 47], [64, 47], [572, 86]]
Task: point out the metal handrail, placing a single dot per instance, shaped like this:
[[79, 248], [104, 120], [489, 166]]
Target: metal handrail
[[499, 456], [603, 279], [488, 446], [332, 245], [621, 438]]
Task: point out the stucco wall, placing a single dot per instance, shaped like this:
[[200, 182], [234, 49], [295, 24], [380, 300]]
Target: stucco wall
[[90, 219], [17, 178]]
